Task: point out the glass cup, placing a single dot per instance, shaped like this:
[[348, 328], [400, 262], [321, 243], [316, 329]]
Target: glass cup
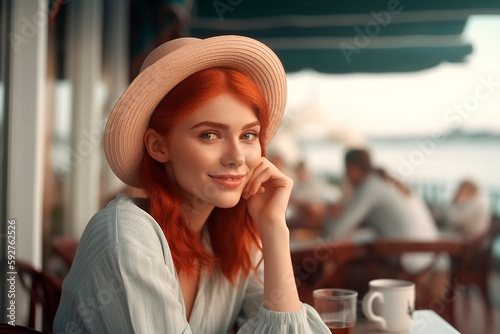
[[337, 308]]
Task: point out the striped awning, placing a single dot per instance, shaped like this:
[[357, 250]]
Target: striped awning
[[341, 36]]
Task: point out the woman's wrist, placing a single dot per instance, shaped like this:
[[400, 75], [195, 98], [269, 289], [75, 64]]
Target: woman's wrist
[[272, 230], [280, 291]]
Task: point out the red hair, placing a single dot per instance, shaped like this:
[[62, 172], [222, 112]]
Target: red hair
[[233, 233]]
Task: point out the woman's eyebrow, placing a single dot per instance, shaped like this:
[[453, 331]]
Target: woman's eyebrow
[[222, 126], [211, 124], [251, 125]]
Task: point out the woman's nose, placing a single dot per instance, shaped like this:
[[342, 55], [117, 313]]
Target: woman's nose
[[233, 155]]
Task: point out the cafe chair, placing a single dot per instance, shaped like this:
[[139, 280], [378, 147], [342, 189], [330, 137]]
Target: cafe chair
[[44, 290], [9, 329], [65, 248], [322, 264], [434, 290], [476, 265]]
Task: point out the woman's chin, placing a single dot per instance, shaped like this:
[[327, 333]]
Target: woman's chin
[[226, 203]]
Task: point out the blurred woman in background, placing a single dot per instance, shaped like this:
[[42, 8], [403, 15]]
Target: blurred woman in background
[[469, 214], [384, 204]]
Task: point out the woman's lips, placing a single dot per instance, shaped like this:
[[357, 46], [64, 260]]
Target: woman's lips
[[228, 181]]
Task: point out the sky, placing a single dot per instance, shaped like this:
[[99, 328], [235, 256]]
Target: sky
[[417, 103]]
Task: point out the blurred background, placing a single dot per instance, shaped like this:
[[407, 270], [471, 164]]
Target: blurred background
[[415, 82]]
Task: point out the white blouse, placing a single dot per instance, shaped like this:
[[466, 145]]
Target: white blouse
[[123, 280], [390, 214], [471, 218]]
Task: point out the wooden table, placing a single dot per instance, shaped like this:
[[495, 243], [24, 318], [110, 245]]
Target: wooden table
[[424, 322]]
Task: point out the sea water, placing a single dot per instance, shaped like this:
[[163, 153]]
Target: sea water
[[418, 161]]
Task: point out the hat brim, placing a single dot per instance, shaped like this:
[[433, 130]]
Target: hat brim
[[129, 119]]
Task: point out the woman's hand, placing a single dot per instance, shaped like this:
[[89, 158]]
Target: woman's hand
[[267, 194]]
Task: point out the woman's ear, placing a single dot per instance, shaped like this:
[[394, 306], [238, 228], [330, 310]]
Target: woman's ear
[[156, 145]]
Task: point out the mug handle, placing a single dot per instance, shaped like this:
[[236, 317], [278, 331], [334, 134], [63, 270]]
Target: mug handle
[[368, 308]]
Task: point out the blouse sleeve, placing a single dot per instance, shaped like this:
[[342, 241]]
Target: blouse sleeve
[[131, 293], [121, 281], [256, 319]]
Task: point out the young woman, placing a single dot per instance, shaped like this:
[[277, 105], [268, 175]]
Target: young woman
[[208, 248]]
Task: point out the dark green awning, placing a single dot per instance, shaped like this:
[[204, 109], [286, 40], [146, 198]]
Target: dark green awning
[[348, 36]]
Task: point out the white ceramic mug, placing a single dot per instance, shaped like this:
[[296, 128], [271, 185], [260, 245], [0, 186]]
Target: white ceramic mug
[[390, 304]]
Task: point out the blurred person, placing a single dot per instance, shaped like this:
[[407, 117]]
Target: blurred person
[[310, 189], [469, 213], [385, 205], [280, 163], [209, 247], [389, 209], [310, 199]]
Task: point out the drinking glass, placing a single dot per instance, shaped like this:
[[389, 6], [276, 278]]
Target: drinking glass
[[337, 308]]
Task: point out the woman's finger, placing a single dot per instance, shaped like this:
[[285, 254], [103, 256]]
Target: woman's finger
[[260, 175]]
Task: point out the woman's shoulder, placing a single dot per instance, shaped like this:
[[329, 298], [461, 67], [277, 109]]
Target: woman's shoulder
[[372, 186], [123, 223], [113, 237]]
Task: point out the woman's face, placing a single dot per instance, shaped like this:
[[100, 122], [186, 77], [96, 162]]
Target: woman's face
[[213, 152], [354, 174]]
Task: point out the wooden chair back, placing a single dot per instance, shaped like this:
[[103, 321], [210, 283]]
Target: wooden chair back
[[44, 290], [323, 265], [17, 329], [65, 247], [435, 289], [476, 265]]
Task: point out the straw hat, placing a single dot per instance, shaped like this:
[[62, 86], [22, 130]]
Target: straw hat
[[168, 65]]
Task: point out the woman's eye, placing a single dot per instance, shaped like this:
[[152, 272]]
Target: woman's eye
[[250, 136], [208, 136]]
